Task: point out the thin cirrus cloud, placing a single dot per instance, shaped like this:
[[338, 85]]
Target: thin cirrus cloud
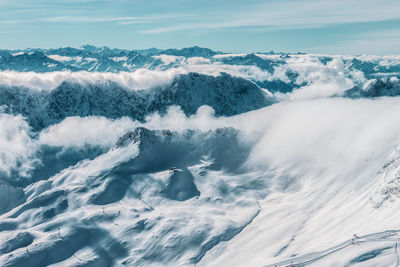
[[81, 19], [294, 15], [119, 20], [276, 15], [370, 43]]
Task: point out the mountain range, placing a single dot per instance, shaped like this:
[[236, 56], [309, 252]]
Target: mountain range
[[194, 157]]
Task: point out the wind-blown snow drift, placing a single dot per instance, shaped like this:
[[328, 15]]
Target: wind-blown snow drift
[[203, 159]]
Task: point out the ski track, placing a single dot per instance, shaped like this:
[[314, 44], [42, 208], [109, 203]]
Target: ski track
[[306, 259]]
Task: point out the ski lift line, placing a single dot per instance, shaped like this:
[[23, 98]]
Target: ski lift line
[[315, 256], [397, 254]]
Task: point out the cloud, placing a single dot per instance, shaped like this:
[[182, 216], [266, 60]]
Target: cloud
[[339, 134], [139, 79], [76, 19], [321, 80], [168, 59], [312, 135], [77, 132], [119, 20], [314, 78], [293, 14], [176, 120], [318, 134], [17, 148]]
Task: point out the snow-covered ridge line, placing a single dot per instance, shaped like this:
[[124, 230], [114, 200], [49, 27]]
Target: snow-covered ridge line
[[116, 60], [289, 76], [227, 95]]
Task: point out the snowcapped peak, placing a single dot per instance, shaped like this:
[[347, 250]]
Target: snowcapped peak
[[140, 135]]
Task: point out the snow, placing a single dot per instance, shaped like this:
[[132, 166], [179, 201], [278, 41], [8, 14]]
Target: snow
[[191, 166], [229, 55], [60, 58], [168, 59]]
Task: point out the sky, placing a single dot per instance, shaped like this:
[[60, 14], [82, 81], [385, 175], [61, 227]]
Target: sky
[[312, 26]]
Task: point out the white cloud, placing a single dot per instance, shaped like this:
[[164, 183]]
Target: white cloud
[[219, 56], [336, 133], [120, 20], [17, 149], [321, 80], [78, 132], [197, 60], [168, 59], [176, 120], [139, 79], [90, 19], [322, 133]]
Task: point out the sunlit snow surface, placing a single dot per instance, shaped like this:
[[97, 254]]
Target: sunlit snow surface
[[195, 157]]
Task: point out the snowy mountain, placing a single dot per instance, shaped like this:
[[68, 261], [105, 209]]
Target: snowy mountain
[[194, 51], [227, 95], [192, 157], [32, 61], [276, 72]]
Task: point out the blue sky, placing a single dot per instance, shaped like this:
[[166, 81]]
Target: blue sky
[[317, 26]]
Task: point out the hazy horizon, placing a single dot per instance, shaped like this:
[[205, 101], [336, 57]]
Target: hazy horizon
[[340, 27]]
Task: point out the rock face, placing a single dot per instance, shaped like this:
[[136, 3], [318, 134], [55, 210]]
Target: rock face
[[227, 95]]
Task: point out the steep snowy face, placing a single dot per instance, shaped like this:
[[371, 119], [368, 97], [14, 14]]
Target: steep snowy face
[[194, 157]]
